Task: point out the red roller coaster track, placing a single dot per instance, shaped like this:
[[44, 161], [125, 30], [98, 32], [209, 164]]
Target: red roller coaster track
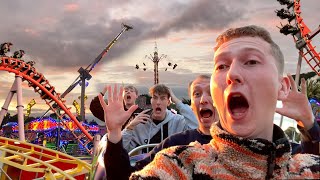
[[303, 39], [47, 92]]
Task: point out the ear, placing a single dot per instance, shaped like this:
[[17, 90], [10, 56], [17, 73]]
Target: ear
[[284, 88]]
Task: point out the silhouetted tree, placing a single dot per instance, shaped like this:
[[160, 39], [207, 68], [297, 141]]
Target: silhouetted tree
[[291, 132]]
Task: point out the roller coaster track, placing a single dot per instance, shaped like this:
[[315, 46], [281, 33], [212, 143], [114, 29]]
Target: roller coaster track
[[302, 37], [47, 92], [29, 161], [309, 54]]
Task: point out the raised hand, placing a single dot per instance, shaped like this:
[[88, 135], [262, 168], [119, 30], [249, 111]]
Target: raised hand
[[296, 106], [114, 114], [174, 98]]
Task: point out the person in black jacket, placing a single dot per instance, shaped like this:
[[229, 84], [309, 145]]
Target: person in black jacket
[[130, 94]]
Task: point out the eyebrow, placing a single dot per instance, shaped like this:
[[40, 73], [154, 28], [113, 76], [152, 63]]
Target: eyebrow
[[247, 49]]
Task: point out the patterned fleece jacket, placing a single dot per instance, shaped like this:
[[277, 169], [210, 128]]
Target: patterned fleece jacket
[[231, 157]]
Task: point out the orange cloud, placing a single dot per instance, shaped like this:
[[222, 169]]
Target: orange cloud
[[71, 7], [175, 39], [31, 31]]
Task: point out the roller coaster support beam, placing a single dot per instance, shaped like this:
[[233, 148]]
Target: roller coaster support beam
[[297, 77], [312, 34], [15, 88], [84, 75], [94, 63]]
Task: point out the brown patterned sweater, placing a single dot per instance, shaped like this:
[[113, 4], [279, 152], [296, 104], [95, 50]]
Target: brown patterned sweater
[[230, 157]]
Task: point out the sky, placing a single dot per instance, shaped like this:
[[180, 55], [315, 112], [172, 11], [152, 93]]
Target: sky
[[62, 36]]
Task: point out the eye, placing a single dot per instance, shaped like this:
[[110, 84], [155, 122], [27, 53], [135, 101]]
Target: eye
[[251, 62], [222, 66], [196, 94]]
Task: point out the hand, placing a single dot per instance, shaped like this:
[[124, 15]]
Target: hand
[[297, 106], [140, 118], [174, 99], [105, 89], [114, 114]]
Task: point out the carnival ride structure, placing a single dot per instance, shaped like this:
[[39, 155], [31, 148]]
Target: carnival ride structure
[[302, 35], [18, 158]]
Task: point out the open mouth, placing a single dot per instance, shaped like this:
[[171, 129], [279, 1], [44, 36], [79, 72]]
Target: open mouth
[[128, 97], [206, 113], [158, 109], [237, 104]]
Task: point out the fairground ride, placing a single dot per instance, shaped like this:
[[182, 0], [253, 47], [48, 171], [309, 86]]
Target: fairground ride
[[21, 159]]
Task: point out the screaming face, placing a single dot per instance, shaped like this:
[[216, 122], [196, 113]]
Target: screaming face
[[245, 85], [159, 103], [129, 97], [201, 103]]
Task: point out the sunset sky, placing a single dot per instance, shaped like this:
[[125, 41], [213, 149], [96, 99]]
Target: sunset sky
[[62, 36]]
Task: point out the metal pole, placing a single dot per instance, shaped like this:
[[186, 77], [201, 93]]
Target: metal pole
[[83, 91], [96, 141], [281, 120], [58, 135], [5, 106], [298, 68], [18, 85]]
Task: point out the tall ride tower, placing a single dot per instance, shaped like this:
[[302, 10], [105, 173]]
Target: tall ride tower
[[155, 58]]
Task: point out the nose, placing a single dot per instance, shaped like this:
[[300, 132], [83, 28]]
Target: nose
[[234, 74], [205, 98]]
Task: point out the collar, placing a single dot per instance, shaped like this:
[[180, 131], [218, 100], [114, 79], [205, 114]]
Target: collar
[[225, 140]]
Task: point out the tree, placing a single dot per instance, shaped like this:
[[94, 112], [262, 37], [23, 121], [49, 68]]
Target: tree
[[291, 132], [313, 89], [306, 76]]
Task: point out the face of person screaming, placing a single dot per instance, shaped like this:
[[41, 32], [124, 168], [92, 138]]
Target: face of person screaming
[[201, 103], [129, 97], [159, 103], [245, 86]]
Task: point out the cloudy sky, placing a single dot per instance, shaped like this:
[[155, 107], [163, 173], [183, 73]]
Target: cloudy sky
[[62, 36]]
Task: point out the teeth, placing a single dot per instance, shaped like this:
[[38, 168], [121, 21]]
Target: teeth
[[236, 95]]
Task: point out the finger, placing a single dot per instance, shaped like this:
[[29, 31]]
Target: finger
[[115, 92], [279, 111], [120, 97], [144, 116], [109, 94], [143, 122], [145, 111], [303, 86], [146, 119], [292, 83], [105, 89], [132, 109], [102, 102]]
